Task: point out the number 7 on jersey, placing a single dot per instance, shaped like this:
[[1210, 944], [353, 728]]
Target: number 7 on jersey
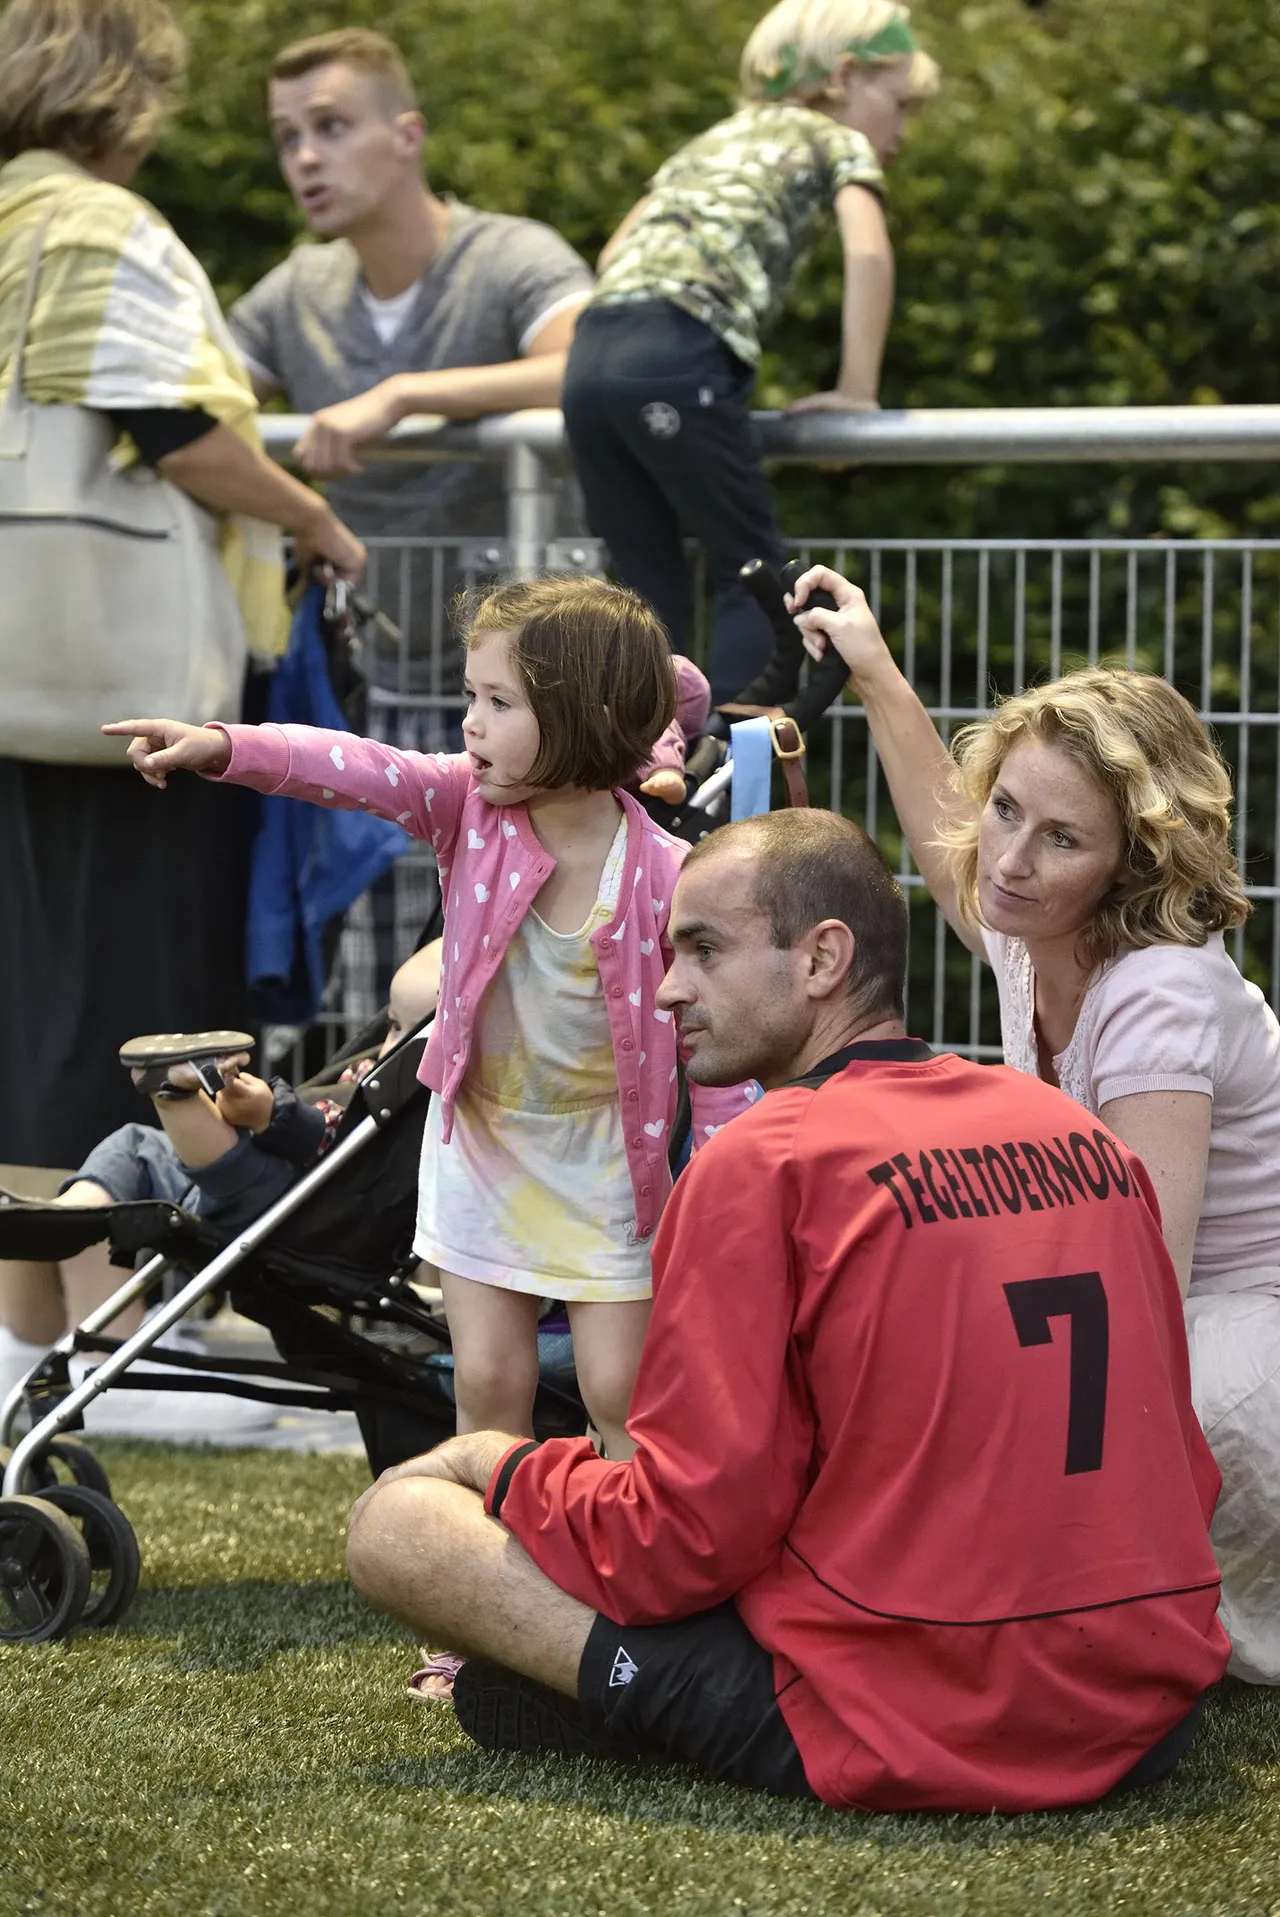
[[1081, 1298]]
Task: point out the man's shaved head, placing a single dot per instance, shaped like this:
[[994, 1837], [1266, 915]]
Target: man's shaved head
[[812, 865], [790, 940]]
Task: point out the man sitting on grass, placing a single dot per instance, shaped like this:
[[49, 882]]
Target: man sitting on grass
[[918, 1515]]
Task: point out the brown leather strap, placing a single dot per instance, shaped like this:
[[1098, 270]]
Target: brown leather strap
[[788, 746], [788, 749]]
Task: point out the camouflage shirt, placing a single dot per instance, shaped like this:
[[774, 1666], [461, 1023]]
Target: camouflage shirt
[[729, 216]]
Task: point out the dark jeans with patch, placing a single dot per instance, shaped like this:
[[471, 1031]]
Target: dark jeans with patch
[[656, 412]]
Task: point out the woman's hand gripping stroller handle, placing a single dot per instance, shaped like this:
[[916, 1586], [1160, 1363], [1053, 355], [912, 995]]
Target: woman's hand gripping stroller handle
[[777, 684]]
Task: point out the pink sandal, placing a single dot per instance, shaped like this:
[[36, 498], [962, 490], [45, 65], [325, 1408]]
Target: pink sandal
[[433, 1684]]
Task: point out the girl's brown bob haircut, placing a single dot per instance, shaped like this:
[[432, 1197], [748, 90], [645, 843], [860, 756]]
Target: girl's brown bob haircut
[[87, 77], [1141, 741], [596, 666]]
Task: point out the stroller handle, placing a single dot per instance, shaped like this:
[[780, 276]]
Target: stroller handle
[[777, 684]]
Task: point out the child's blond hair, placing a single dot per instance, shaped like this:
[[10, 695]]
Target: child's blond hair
[[794, 50]]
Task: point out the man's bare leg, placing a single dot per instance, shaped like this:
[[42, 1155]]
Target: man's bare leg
[[89, 1278], [31, 1304], [425, 1551], [39, 1300]]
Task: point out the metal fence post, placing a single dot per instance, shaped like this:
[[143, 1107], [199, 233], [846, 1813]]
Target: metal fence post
[[530, 510]]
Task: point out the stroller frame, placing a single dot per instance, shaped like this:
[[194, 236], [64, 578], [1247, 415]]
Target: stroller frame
[[67, 1412], [399, 1391]]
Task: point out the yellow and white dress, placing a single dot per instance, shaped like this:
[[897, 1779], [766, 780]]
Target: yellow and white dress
[[533, 1192]]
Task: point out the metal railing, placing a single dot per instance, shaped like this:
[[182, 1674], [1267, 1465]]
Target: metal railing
[[968, 619]]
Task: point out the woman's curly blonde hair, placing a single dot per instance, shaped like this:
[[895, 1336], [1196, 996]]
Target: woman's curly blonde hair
[[1143, 743], [86, 77]]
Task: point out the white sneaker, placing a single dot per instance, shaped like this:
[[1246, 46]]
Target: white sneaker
[[17, 1358], [176, 1417]]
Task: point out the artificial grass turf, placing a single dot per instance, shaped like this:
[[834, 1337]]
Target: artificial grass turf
[[241, 1746]]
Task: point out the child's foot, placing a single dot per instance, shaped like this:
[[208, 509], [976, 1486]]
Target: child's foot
[[667, 785], [433, 1684]]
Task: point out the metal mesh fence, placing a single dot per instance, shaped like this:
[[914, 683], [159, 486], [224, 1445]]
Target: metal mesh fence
[[969, 620]]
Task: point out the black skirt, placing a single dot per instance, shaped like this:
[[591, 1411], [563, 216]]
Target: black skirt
[[121, 912]]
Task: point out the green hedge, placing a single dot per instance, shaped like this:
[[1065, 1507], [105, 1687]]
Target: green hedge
[[1089, 213]]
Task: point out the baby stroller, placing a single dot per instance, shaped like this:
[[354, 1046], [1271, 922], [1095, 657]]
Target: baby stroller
[[328, 1270]]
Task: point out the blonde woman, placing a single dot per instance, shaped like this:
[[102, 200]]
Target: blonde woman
[[1079, 841], [659, 376], [124, 323]]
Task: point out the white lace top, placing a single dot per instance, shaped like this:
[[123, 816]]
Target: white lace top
[[1177, 1018]]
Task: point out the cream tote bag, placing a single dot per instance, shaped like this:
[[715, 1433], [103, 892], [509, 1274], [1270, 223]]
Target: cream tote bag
[[113, 601]]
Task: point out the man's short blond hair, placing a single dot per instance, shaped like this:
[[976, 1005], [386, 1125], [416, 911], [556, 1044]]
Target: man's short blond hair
[[794, 50], [359, 48], [87, 77]]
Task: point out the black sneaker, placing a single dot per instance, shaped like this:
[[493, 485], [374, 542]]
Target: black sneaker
[[502, 1711]]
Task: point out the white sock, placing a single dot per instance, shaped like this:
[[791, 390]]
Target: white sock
[[17, 1358]]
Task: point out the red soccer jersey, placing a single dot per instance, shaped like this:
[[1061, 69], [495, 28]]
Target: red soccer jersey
[[916, 1393]]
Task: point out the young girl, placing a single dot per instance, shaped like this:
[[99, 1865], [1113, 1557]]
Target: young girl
[[659, 376], [544, 1166]]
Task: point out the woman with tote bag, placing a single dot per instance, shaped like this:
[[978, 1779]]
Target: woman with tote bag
[[139, 545]]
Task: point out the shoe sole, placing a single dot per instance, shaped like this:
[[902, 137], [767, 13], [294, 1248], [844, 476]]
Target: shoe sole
[[176, 1048], [501, 1711]]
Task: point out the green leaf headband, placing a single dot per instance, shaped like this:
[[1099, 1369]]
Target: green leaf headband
[[891, 41]]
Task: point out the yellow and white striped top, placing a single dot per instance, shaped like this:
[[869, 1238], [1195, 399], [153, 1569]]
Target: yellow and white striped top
[[125, 317]]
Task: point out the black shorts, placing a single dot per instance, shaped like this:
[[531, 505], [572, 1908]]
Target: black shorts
[[701, 1690]]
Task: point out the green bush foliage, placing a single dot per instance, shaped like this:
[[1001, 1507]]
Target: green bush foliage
[[1088, 214]]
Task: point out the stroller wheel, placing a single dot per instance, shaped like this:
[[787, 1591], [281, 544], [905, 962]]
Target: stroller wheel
[[44, 1571], [76, 1460], [113, 1551]]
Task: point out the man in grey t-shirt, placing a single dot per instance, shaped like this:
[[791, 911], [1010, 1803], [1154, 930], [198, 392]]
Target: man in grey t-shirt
[[418, 304]]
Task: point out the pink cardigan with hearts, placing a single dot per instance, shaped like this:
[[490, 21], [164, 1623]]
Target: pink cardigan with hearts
[[491, 867]]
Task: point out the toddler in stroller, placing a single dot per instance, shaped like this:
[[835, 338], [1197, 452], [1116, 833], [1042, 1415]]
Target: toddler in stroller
[[228, 1146], [327, 1269]]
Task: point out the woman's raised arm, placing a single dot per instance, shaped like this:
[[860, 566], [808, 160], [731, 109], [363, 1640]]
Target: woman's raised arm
[[917, 765]]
